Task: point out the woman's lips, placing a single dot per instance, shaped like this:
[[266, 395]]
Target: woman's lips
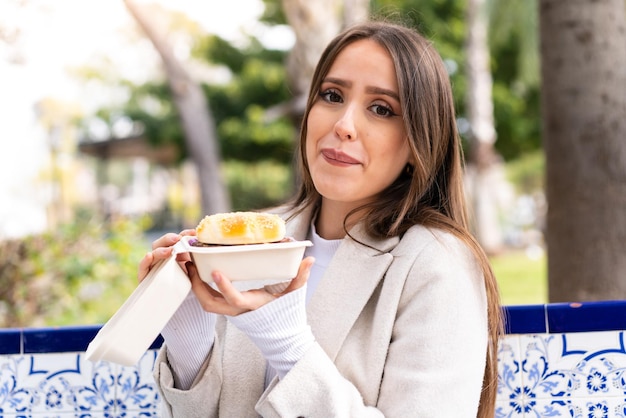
[[337, 157]]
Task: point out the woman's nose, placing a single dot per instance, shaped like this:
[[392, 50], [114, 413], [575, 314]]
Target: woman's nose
[[345, 127]]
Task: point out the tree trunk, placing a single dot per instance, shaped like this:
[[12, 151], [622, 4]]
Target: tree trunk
[[583, 50], [196, 118], [484, 165], [314, 23]]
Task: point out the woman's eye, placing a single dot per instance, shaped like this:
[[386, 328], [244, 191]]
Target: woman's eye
[[331, 96], [381, 110]]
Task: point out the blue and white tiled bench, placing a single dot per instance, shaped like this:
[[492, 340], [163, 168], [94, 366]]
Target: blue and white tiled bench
[[563, 360], [557, 360]]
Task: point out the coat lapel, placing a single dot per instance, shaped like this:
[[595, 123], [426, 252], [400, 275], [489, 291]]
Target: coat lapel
[[347, 285], [299, 226]]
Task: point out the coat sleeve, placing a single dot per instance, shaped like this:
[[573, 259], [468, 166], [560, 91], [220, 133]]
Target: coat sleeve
[[436, 353]]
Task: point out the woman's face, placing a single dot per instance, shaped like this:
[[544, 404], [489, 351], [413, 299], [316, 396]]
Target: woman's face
[[356, 144]]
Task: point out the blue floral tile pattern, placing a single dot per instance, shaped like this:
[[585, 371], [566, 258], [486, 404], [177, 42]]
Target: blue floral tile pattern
[[562, 360], [65, 384], [580, 375]]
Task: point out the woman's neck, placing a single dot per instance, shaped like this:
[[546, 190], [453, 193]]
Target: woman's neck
[[330, 219]]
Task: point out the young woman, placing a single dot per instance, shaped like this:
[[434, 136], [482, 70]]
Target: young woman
[[395, 310]]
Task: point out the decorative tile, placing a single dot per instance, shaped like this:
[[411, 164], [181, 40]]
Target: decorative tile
[[564, 407], [13, 398], [509, 369], [135, 387], [505, 409], [581, 407], [580, 373], [66, 383], [560, 371]]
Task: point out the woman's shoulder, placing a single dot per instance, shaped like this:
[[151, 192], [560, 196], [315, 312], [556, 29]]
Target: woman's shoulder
[[430, 237], [439, 256], [435, 246]]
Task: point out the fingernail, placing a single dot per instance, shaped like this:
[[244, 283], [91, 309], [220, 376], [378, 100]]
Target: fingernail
[[216, 277]]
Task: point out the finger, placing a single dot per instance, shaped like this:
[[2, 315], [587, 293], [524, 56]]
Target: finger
[[210, 299], [203, 289], [162, 253], [150, 259], [144, 266], [301, 278], [166, 240], [230, 293], [187, 232]]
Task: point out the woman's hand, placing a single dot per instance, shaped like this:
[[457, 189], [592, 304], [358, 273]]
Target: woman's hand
[[230, 301], [162, 249]]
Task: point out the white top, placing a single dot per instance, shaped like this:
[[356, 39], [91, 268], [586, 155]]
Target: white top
[[323, 250]]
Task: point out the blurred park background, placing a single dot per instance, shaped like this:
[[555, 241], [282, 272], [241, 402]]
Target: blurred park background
[[122, 120]]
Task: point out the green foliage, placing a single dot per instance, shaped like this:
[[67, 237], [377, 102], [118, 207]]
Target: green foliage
[[79, 273], [214, 49], [517, 117], [258, 185], [218, 51], [239, 107], [273, 13], [515, 71], [251, 139], [514, 59], [260, 83], [151, 104], [514, 38]]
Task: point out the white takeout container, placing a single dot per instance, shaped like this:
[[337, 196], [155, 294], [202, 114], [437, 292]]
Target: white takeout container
[[139, 321], [142, 317], [249, 266]]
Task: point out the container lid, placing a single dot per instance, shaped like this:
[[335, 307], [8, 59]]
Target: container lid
[[138, 322]]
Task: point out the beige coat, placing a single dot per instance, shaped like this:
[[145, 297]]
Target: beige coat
[[401, 331]]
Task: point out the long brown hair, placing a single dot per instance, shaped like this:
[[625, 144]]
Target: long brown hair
[[430, 192]]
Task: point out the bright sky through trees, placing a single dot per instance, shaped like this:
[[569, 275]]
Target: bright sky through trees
[[54, 36]]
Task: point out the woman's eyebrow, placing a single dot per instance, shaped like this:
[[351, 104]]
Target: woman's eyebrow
[[386, 92], [339, 81], [370, 89]]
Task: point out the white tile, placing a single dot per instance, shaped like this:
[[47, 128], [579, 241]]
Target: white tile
[[62, 384], [539, 379], [15, 397], [509, 368], [581, 407], [135, 387]]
